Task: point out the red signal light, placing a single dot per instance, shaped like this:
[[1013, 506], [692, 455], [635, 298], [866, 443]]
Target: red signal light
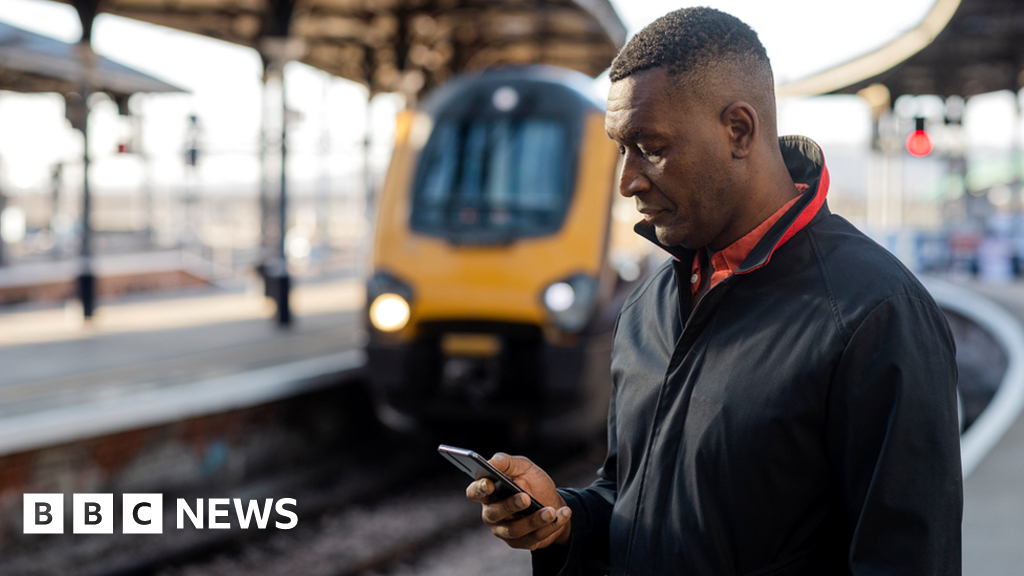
[[919, 143]]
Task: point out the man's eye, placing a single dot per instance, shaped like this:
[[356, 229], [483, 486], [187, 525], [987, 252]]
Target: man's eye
[[622, 150], [649, 154]]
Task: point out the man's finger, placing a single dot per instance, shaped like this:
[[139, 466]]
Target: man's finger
[[516, 529], [544, 535], [499, 511], [480, 490]]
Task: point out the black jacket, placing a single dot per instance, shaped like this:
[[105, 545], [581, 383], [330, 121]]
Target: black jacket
[[801, 420]]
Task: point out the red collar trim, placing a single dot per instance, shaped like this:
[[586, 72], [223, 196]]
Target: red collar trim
[[803, 218], [725, 262]]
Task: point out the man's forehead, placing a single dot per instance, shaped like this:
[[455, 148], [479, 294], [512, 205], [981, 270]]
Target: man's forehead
[[636, 103], [639, 88]]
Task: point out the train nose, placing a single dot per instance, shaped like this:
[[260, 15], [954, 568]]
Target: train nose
[[471, 369], [475, 379]]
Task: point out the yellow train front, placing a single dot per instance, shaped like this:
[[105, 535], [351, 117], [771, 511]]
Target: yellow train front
[[492, 293]]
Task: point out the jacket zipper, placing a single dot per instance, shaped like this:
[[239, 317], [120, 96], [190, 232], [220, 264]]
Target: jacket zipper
[[655, 427]]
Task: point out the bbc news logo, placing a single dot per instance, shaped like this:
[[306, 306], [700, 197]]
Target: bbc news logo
[[143, 513]]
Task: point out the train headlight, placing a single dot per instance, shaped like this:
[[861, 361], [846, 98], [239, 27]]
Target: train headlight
[[390, 302], [571, 302], [559, 297], [389, 312]]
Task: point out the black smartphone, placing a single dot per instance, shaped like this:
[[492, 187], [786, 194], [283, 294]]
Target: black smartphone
[[477, 467]]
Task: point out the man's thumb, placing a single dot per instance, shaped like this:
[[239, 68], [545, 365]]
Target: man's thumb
[[510, 465]]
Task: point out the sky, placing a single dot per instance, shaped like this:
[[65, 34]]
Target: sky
[[801, 37]]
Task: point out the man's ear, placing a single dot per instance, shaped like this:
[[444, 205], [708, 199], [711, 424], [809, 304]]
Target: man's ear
[[741, 124]]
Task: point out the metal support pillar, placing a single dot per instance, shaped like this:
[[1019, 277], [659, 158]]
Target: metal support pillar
[[284, 314], [1015, 158], [323, 215], [139, 148], [56, 174], [86, 278], [957, 210], [264, 251], [278, 51]]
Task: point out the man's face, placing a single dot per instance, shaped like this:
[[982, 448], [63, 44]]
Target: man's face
[[676, 158]]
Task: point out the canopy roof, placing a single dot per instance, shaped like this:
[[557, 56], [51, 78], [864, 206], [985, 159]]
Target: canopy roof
[[31, 62], [399, 45], [962, 47]]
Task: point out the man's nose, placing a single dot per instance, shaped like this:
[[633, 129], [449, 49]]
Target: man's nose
[[632, 181]]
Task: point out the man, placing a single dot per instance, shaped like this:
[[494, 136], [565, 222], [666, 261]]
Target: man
[[783, 389]]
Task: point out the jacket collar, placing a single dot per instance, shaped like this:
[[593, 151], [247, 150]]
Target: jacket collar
[[806, 164]]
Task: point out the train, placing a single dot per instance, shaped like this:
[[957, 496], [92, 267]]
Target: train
[[501, 256]]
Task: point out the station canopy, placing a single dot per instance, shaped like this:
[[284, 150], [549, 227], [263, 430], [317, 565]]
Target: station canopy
[[961, 47], [399, 45], [31, 62]]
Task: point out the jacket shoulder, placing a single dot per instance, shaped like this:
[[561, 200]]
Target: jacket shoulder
[[860, 274]]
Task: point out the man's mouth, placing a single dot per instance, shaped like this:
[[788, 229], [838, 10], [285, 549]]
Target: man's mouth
[[650, 214]]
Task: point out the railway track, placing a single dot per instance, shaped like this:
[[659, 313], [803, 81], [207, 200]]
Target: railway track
[[336, 476], [400, 529]]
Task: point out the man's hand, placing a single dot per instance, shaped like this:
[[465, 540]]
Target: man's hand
[[539, 530]]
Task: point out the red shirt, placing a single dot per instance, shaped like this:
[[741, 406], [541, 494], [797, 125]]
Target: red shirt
[[727, 260]]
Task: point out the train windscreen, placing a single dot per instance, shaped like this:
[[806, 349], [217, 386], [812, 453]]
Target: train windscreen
[[492, 177]]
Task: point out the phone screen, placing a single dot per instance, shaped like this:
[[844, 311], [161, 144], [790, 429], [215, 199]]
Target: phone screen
[[477, 467]]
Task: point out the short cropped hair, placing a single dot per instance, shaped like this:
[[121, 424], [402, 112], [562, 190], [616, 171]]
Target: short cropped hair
[[691, 38]]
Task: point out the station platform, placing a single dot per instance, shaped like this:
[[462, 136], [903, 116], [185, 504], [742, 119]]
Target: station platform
[[993, 527], [146, 360]]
